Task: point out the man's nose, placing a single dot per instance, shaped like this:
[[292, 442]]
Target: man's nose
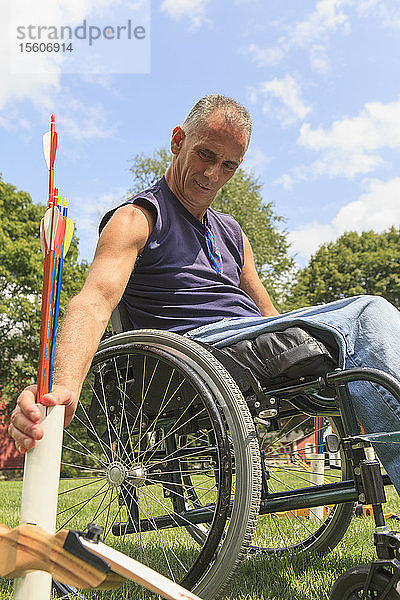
[[211, 172]]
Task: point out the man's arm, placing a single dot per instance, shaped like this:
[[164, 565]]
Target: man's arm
[[85, 320], [251, 283]]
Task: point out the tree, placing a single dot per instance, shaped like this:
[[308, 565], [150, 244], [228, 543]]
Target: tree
[[366, 263], [241, 197], [21, 276]]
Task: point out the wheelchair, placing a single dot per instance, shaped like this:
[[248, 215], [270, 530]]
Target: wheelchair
[[190, 465]]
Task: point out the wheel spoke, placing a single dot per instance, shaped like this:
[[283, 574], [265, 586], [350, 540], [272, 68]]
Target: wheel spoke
[[289, 467]]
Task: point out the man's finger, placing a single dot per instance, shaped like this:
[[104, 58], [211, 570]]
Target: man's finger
[[21, 441], [22, 426], [51, 399], [27, 404]]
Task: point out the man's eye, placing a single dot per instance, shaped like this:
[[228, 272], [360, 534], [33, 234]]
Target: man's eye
[[204, 154], [229, 167]]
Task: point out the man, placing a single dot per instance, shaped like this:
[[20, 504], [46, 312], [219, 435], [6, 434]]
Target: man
[[206, 152], [180, 265]]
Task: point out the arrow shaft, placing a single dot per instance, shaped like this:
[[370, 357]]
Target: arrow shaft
[[57, 304], [44, 325], [51, 170], [55, 318], [50, 324]]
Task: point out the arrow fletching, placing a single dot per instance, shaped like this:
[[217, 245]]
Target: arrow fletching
[[69, 232], [59, 236], [50, 222], [46, 148], [42, 243]]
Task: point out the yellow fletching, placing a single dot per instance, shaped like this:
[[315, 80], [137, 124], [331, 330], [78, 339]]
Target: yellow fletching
[[69, 232]]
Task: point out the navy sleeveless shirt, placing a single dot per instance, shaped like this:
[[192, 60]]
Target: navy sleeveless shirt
[[177, 283]]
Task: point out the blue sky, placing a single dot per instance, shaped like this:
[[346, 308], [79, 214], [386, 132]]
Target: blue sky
[[321, 79]]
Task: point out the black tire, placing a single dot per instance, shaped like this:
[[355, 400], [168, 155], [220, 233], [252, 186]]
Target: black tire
[[169, 403], [304, 530], [350, 585]]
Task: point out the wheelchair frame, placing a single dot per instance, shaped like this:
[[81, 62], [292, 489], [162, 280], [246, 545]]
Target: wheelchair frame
[[223, 547]]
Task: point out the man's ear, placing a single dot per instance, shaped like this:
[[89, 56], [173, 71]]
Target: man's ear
[[178, 135]]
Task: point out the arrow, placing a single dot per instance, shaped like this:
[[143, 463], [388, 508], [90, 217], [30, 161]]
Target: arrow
[[48, 224], [52, 231], [60, 254], [56, 246]]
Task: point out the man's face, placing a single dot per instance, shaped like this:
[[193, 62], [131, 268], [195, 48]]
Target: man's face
[[205, 160]]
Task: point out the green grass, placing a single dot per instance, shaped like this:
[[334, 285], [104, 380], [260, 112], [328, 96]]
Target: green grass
[[297, 578]]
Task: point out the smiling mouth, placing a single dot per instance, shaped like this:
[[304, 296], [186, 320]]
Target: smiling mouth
[[203, 187]]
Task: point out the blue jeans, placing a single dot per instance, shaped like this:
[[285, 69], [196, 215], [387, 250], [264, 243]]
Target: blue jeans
[[367, 332]]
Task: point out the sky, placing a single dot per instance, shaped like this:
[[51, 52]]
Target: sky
[[321, 79]]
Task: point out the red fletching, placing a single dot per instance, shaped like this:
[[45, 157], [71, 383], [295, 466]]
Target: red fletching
[[60, 234]]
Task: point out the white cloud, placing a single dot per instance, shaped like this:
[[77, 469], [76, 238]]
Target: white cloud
[[78, 120], [92, 209], [11, 120], [83, 122], [44, 91], [351, 146], [377, 209], [286, 181], [255, 160], [319, 59], [195, 10], [16, 86], [365, 8], [328, 16], [313, 32], [386, 12], [266, 57], [306, 240], [336, 164], [105, 80], [377, 126], [282, 99]]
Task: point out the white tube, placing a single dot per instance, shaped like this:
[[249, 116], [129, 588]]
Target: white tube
[[317, 478], [39, 495], [369, 453]]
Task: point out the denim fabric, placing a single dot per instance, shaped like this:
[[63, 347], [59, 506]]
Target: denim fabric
[[367, 332]]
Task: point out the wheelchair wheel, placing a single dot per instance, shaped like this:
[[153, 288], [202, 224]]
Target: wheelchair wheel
[[163, 454], [288, 466], [350, 585]]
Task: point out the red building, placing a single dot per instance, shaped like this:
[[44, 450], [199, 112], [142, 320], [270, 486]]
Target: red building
[[11, 462]]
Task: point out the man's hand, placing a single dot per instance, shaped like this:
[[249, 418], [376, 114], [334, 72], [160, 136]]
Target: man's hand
[[24, 427]]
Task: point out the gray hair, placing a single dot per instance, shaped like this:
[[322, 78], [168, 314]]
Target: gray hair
[[234, 112]]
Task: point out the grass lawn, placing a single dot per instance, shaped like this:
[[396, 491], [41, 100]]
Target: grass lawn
[[299, 578]]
